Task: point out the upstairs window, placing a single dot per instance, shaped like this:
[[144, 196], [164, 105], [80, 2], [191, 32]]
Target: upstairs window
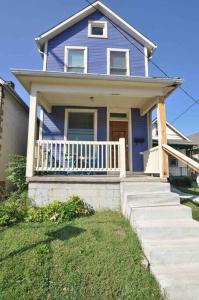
[[118, 62], [76, 59], [97, 29]]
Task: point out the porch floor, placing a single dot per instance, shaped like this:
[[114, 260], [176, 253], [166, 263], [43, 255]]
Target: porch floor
[[96, 178]]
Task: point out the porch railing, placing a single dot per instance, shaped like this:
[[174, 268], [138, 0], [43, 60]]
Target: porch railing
[[151, 161], [80, 156]]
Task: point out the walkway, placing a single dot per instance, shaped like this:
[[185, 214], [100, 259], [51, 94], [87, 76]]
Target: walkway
[[168, 235]]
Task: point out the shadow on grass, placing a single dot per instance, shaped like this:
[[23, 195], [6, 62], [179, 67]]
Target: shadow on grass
[[62, 234]]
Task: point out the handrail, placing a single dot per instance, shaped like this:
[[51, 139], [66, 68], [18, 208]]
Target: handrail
[[192, 164]]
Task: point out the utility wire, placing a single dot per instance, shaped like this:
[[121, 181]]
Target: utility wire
[[153, 63]]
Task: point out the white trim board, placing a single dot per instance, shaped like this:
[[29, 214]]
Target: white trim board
[[82, 110], [128, 112], [86, 12]]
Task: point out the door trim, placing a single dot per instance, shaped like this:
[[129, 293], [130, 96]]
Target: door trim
[[129, 120]]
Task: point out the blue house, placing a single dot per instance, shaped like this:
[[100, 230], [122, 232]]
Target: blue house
[[95, 99]]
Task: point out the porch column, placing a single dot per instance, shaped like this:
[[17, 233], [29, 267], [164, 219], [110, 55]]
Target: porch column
[[32, 128], [162, 138]]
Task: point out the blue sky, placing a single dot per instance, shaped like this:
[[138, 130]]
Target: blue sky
[[172, 25]]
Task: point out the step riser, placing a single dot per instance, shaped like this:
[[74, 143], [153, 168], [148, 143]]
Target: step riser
[[153, 213], [145, 187], [152, 200], [168, 233]]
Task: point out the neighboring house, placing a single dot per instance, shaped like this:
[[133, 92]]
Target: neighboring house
[[179, 141], [195, 139], [13, 125], [96, 99]]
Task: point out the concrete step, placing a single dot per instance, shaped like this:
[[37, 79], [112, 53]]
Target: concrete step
[[170, 243], [182, 292], [151, 199], [158, 213], [173, 255], [178, 231], [145, 187]]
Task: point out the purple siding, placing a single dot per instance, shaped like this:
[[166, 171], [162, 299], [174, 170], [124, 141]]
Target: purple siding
[[53, 125], [77, 35], [139, 139]]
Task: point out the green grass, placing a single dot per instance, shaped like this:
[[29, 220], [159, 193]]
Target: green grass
[[189, 190], [194, 207], [96, 257]]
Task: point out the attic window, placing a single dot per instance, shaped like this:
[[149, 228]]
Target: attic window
[[97, 29]]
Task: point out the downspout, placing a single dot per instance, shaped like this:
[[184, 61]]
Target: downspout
[[1, 116]]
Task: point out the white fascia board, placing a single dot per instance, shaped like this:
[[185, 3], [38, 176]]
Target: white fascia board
[[86, 12]]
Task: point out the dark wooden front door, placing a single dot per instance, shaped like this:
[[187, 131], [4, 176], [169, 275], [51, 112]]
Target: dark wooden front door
[[119, 129]]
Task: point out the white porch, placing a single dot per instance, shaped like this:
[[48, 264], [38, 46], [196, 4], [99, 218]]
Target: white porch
[[51, 88]]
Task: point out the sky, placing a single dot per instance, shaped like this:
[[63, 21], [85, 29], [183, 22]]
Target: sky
[[172, 25]]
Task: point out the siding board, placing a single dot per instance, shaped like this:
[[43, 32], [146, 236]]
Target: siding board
[[77, 35]]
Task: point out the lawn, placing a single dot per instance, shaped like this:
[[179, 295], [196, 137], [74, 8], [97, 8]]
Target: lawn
[[190, 190], [194, 207], [96, 257]]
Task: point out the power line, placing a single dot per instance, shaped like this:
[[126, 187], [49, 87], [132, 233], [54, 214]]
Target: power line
[[153, 63]]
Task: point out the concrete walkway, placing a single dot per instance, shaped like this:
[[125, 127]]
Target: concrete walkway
[[168, 235], [191, 197]]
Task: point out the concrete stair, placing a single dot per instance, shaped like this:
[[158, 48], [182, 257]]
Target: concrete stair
[[168, 235]]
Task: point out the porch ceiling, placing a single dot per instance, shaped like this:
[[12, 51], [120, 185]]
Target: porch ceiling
[[54, 88]]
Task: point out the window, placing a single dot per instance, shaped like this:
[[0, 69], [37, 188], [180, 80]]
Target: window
[[80, 126], [118, 115], [97, 29], [173, 161], [76, 59], [118, 62]]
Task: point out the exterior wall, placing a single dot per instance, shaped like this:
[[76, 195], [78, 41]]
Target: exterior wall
[[14, 133], [77, 35], [53, 123], [139, 132], [98, 195]]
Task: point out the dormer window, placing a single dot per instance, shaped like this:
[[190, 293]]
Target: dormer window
[[76, 59], [118, 62], [97, 29]]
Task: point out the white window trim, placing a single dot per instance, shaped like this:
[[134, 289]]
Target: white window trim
[[68, 110], [105, 31], [76, 48], [129, 120], [127, 51]]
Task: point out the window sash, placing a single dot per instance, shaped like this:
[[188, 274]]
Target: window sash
[[81, 127], [76, 60], [118, 62]]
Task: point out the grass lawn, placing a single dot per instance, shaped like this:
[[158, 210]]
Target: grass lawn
[[194, 207], [97, 257], [189, 190]]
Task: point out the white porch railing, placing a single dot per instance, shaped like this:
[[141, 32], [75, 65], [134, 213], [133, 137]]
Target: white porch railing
[[70, 156], [151, 161]]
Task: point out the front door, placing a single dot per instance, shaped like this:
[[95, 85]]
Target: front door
[[119, 129]]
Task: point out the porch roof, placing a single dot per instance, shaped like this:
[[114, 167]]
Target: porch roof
[[59, 88]]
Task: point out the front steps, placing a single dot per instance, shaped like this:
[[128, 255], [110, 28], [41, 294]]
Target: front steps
[[168, 235]]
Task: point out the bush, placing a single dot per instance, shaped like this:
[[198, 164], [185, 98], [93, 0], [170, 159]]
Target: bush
[[183, 181], [60, 211], [10, 213], [16, 172]]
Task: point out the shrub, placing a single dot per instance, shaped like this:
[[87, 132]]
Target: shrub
[[183, 181], [10, 213], [60, 211], [16, 172]]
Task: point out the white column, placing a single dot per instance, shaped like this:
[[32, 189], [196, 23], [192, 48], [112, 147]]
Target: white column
[[122, 157], [32, 128]]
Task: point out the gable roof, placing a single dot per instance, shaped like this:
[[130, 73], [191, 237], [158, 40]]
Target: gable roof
[[8, 85], [98, 5], [179, 133], [195, 137]]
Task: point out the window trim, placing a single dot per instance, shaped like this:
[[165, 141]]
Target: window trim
[[78, 110], [105, 31], [76, 48], [127, 51]]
